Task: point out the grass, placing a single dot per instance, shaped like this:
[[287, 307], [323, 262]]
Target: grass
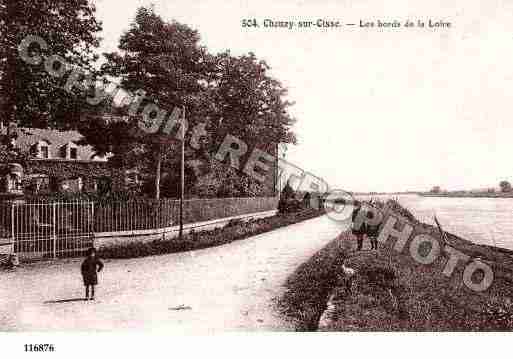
[[392, 292], [309, 287], [419, 297]]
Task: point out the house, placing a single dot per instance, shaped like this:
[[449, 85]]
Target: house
[[57, 162]]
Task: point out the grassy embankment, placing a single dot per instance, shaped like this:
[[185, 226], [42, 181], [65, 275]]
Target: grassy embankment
[[391, 291]]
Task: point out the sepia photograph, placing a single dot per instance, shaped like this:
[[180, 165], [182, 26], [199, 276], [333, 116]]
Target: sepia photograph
[[209, 167]]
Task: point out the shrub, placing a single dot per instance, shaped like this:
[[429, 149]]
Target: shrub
[[290, 206], [197, 240]]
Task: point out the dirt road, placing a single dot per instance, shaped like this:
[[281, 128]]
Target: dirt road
[[230, 287]]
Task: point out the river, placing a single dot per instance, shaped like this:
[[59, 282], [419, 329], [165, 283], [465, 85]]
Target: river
[[480, 220]]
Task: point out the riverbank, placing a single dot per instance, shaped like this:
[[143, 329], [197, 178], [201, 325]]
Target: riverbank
[[392, 292]]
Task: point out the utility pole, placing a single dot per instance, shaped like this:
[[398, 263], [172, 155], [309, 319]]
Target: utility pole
[[182, 173], [158, 173]]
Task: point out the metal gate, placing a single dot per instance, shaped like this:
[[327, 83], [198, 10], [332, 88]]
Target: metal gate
[[52, 230]]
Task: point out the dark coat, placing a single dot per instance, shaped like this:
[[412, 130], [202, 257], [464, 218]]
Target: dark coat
[[362, 229], [89, 268]]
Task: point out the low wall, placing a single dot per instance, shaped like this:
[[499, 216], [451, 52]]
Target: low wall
[[110, 239]]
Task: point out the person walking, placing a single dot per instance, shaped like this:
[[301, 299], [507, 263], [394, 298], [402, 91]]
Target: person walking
[[358, 229], [89, 269], [373, 232]]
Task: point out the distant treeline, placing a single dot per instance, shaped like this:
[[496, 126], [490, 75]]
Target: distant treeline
[[469, 194]]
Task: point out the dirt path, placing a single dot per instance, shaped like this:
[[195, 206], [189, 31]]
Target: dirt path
[[231, 287]]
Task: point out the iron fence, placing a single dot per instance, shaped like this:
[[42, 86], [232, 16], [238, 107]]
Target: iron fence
[[51, 230], [134, 215], [65, 229]]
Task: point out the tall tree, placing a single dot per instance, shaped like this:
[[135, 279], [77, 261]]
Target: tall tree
[[251, 104], [165, 60], [230, 95], [30, 96]]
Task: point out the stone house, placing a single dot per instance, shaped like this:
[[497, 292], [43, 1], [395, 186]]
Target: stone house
[[58, 163]]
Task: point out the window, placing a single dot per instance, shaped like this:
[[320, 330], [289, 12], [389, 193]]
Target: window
[[43, 150], [69, 151], [73, 153]]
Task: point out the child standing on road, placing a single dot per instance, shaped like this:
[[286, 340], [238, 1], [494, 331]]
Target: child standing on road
[[90, 267]]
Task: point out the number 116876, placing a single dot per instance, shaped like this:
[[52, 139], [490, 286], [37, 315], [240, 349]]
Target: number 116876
[[39, 348]]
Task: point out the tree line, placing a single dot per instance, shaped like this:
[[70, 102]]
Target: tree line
[[222, 93], [505, 187]]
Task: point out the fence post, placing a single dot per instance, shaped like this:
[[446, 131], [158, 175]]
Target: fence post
[[12, 227], [92, 223], [54, 222]]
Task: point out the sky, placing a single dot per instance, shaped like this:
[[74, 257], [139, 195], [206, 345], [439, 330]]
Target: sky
[[377, 109]]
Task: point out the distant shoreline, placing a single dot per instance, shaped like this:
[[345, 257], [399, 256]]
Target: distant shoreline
[[445, 194]]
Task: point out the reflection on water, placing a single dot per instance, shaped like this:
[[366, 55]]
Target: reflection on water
[[480, 220]]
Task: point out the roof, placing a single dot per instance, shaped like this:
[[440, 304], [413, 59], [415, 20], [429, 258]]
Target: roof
[[57, 139]]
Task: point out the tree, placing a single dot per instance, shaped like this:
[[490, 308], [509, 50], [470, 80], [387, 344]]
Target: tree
[[9, 153], [225, 181], [230, 95], [288, 201], [30, 95], [250, 104], [288, 192], [436, 189], [165, 60], [505, 186]]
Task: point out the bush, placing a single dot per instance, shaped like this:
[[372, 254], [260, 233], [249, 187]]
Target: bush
[[235, 230], [289, 206], [288, 202]]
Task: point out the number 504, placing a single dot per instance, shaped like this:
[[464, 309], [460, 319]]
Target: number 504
[[249, 23]]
